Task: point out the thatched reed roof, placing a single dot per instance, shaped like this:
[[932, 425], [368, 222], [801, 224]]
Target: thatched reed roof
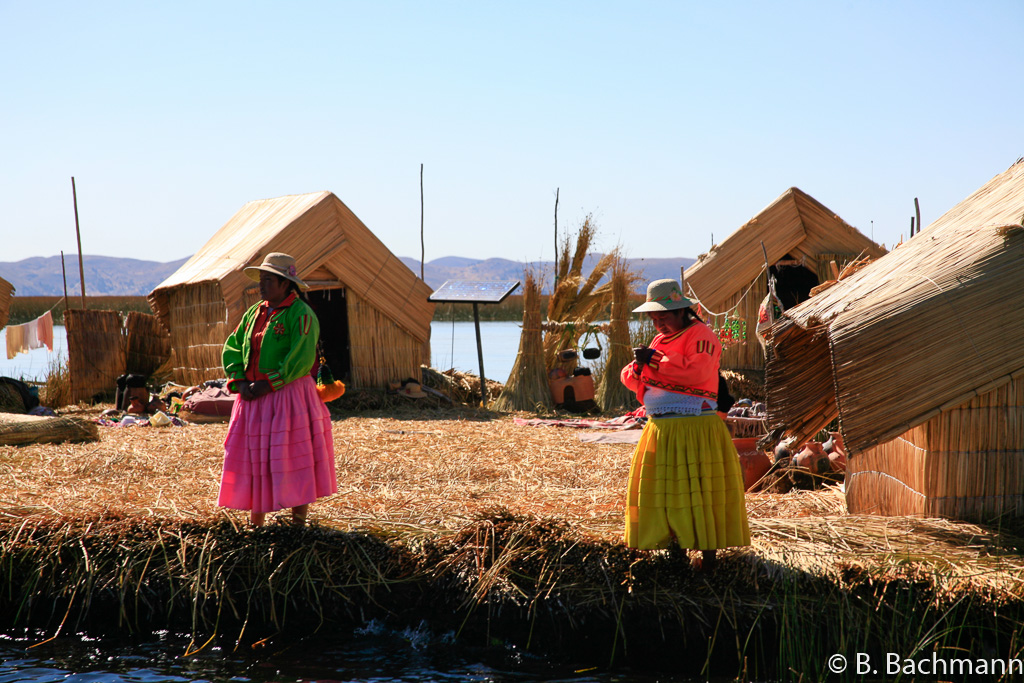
[[331, 246], [919, 331], [794, 224], [6, 292], [1000, 201]]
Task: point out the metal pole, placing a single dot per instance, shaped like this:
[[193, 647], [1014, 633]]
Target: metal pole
[[480, 355]]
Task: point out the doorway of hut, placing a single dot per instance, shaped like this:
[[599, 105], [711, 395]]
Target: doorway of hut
[[793, 281], [331, 310]]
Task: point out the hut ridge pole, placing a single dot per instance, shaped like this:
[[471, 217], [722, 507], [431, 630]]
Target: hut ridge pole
[[423, 248], [917, 211], [78, 234], [480, 354]]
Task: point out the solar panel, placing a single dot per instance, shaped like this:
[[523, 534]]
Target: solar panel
[[473, 291]]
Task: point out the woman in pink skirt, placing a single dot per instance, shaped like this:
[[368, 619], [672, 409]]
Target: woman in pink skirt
[[278, 452]]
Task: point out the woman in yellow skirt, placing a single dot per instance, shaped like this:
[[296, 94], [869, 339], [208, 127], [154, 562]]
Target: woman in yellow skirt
[[685, 480]]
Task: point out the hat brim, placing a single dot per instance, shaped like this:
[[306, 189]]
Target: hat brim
[[652, 306], [253, 273], [414, 394]]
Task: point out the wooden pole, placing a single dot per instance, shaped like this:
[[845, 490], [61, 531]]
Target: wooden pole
[[911, 226], [64, 276], [917, 211], [480, 354], [78, 233], [423, 248], [556, 243]]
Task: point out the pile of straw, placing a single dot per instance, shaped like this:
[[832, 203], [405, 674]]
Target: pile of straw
[[527, 385], [459, 387], [490, 529]]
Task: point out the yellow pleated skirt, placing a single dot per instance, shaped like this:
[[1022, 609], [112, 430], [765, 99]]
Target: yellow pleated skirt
[[686, 486]]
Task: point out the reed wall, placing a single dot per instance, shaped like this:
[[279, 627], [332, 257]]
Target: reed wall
[[199, 326], [148, 344], [97, 352], [6, 294], [749, 355], [966, 463], [381, 350]]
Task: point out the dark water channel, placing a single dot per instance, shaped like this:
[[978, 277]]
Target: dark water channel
[[366, 654]]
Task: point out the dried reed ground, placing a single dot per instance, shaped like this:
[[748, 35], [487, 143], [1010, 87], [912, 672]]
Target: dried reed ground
[[435, 472]]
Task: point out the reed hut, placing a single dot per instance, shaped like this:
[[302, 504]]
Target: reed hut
[[6, 294], [801, 239], [920, 356], [374, 312]]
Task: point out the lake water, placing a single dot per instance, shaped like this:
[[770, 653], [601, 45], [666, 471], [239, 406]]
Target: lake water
[[453, 345], [364, 654]]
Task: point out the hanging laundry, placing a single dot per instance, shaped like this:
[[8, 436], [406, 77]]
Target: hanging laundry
[[31, 335], [15, 340]]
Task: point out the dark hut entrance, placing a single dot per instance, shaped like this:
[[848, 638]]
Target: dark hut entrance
[[793, 281], [331, 310]]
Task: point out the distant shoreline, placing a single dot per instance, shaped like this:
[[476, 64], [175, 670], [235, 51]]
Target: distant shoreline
[[27, 308]]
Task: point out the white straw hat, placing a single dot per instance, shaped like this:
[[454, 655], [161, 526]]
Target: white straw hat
[[279, 264], [663, 295]]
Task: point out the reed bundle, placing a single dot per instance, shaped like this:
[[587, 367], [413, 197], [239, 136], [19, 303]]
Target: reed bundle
[[527, 384], [577, 301], [612, 395], [17, 430]]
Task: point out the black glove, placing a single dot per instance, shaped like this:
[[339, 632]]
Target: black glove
[[260, 388], [643, 354]]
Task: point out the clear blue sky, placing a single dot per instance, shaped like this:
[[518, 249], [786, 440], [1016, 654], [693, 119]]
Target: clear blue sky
[[669, 121]]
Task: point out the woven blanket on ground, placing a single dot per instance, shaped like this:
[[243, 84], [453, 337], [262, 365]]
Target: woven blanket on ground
[[617, 423], [630, 436]]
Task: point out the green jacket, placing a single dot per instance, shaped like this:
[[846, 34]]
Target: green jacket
[[288, 350]]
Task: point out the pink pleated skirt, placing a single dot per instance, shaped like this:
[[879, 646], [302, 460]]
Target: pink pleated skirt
[[279, 452]]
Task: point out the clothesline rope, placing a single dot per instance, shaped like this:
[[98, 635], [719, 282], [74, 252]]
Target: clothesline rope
[[734, 307]]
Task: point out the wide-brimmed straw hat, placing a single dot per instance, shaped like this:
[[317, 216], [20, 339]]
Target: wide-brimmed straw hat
[[663, 295], [412, 390], [279, 264]]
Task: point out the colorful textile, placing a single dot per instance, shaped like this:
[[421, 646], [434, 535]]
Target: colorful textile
[[618, 423], [685, 362], [15, 340], [279, 451], [686, 486], [31, 335], [286, 351]]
